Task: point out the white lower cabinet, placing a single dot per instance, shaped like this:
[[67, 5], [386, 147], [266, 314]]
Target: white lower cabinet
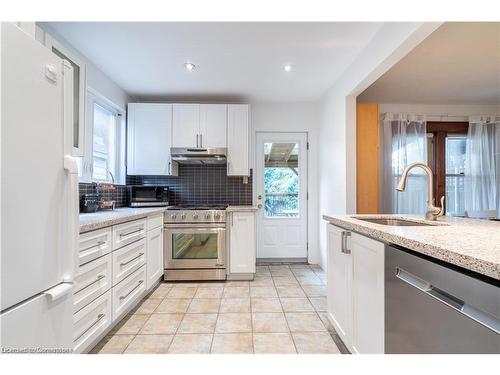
[[339, 282], [356, 290], [242, 246], [128, 259], [92, 280], [129, 232], [91, 321], [128, 292], [93, 245], [116, 267], [154, 268], [367, 295]]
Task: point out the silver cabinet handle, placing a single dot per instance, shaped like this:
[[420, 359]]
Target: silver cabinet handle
[[343, 247], [129, 293], [98, 278], [197, 141], [483, 318], [99, 317], [99, 243], [131, 260], [201, 140], [132, 232]]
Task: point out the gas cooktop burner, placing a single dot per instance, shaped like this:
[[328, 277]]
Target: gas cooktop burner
[[198, 207]]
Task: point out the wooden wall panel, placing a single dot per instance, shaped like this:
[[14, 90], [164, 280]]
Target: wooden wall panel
[[367, 159]]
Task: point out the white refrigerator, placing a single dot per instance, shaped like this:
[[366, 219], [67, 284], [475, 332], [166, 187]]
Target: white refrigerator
[[38, 197]]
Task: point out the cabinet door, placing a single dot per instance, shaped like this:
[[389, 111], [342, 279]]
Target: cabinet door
[[242, 242], [237, 140], [367, 295], [149, 139], [154, 266], [213, 119], [186, 125], [339, 301]]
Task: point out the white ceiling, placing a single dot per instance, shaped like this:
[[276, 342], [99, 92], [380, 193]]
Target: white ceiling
[[234, 60], [457, 64]]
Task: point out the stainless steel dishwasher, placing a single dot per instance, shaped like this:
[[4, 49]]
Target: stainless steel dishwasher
[[431, 307]]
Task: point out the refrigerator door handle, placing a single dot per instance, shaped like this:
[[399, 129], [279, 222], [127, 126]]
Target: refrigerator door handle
[[73, 224], [60, 290]]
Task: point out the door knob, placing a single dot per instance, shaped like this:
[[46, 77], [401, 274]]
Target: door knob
[[259, 206]]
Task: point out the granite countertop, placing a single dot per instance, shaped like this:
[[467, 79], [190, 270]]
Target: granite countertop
[[467, 243], [241, 208], [102, 219]]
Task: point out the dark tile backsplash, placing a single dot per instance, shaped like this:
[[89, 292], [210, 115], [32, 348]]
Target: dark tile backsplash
[[119, 195], [196, 184]]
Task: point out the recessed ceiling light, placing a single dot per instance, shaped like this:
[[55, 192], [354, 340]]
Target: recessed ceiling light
[[189, 66], [287, 68]]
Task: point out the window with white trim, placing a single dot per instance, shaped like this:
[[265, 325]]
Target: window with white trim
[[104, 156]]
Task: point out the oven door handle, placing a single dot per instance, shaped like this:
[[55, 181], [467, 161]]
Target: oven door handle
[[218, 227]]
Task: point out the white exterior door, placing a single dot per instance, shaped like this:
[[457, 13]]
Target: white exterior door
[[281, 193]]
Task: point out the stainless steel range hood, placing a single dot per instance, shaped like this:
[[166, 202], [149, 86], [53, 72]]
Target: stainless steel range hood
[[199, 156]]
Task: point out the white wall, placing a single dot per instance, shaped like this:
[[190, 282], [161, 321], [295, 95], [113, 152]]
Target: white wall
[[442, 112], [295, 117], [96, 79], [338, 116]]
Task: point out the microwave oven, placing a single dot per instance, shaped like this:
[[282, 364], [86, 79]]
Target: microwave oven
[[147, 196]]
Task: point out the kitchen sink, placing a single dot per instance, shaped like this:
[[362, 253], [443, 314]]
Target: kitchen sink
[[393, 222]]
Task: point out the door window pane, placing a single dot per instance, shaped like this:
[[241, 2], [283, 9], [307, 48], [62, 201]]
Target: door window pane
[[194, 246], [103, 157], [455, 168], [281, 180]]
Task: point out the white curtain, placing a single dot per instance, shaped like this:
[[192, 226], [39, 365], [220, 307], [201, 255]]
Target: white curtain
[[404, 141], [482, 165]]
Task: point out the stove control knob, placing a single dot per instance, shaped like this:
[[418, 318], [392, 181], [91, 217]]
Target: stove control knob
[[173, 217], [207, 216], [195, 216], [217, 215], [183, 216]]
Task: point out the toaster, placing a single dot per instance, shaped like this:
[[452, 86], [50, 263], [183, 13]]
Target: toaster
[[89, 202]]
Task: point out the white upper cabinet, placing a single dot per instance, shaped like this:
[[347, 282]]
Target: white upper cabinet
[[213, 125], [149, 138], [238, 140], [199, 125], [242, 246], [186, 125]]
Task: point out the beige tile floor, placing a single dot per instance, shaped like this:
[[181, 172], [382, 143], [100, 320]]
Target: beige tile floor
[[281, 311]]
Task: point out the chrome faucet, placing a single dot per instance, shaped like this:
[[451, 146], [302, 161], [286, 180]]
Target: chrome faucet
[[432, 211]]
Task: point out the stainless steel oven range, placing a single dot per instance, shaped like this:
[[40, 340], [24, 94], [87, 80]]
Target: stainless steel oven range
[[195, 242]]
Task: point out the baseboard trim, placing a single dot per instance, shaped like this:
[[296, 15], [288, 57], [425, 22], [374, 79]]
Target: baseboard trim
[[267, 261]]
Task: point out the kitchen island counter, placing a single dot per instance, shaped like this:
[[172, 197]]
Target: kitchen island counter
[[468, 243]]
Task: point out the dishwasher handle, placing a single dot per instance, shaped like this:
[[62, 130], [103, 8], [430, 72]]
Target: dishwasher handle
[[483, 318]]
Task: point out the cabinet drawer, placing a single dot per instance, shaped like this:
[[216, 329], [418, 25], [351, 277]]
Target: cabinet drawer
[[128, 292], [94, 245], [126, 233], [155, 221], [92, 280], [128, 259], [91, 321]]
